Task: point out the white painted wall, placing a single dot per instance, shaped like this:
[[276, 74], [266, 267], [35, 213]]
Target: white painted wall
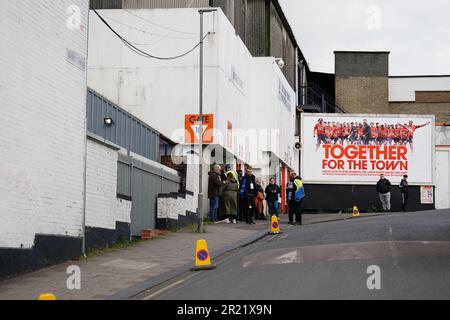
[[103, 209], [404, 89], [161, 93], [442, 167], [269, 112], [43, 103], [442, 178]]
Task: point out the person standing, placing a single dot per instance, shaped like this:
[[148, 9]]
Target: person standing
[[273, 191], [240, 211], [384, 187], [295, 194], [229, 198], [259, 200], [404, 190], [214, 188], [248, 193]]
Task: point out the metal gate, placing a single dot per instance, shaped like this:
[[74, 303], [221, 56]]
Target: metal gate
[[142, 183]]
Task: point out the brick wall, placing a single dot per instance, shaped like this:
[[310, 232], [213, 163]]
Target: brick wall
[[42, 119], [433, 96], [363, 94], [103, 209], [441, 110]]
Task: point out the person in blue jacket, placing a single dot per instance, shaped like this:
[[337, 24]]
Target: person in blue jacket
[[295, 195]]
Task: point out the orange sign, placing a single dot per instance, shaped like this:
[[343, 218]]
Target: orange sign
[[192, 128]]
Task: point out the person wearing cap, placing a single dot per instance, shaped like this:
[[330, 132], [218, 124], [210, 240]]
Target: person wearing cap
[[247, 195]]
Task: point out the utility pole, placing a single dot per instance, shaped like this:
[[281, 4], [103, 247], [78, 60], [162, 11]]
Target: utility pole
[[201, 228]]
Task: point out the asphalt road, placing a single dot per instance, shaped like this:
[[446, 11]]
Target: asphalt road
[[331, 261]]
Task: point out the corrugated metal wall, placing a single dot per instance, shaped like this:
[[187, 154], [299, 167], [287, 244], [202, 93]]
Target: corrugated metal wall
[[154, 4], [281, 46], [106, 4], [148, 4], [143, 183], [227, 6], [240, 11], [256, 25], [127, 131]]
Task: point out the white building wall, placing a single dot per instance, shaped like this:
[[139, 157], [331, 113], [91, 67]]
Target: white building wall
[[43, 103], [404, 89], [273, 117], [161, 93], [442, 167], [103, 209], [158, 92]]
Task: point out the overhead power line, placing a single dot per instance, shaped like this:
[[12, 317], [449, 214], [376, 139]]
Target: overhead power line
[[158, 25], [141, 52], [147, 32]]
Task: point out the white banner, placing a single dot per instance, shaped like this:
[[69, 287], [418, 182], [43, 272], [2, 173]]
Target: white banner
[[357, 149]]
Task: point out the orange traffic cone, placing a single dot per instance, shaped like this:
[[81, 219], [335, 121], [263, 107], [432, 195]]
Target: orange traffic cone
[[275, 226], [47, 297], [202, 257], [356, 213]]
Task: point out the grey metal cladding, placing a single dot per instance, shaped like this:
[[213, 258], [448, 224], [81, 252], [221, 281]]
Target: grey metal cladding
[[255, 27], [362, 64], [143, 182], [282, 46], [106, 4], [155, 4], [127, 131]]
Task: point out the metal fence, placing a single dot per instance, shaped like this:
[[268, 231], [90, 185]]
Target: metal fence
[[142, 183]]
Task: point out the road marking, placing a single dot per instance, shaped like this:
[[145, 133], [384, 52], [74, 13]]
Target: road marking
[[288, 258], [392, 246], [173, 285], [284, 237]]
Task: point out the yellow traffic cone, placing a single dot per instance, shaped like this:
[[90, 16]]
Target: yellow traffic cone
[[356, 213], [202, 257], [275, 226], [47, 297]]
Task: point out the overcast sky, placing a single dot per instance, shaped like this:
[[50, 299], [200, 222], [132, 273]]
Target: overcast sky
[[416, 32]]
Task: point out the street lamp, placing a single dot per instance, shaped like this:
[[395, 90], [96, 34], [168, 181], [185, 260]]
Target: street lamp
[[201, 212]]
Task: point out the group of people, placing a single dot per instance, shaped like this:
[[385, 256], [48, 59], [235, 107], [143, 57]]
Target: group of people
[[356, 133], [237, 197], [384, 188]]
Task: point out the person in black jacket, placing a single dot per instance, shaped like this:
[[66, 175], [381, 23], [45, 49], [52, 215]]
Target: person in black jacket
[[384, 187], [404, 189], [247, 194], [214, 188], [273, 192]]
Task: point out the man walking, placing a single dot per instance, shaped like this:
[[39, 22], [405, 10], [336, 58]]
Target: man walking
[[384, 187], [214, 185], [248, 193], [404, 189]]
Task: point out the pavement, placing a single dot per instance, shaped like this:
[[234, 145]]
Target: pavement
[[124, 273], [395, 256]]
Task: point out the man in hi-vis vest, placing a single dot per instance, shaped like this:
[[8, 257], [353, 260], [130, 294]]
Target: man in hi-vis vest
[[295, 196]]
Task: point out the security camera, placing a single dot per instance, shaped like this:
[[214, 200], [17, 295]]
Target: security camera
[[298, 146], [280, 63]]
